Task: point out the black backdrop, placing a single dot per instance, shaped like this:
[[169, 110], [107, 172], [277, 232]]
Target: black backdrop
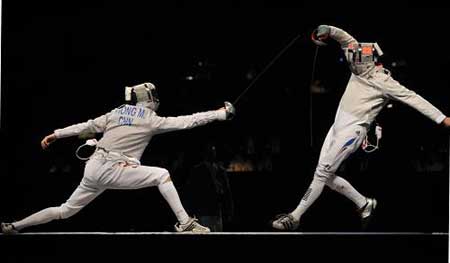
[[66, 62]]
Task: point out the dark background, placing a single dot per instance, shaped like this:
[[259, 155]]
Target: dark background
[[68, 61]]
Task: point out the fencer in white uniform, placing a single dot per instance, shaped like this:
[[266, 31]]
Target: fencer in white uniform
[[369, 89], [127, 130]]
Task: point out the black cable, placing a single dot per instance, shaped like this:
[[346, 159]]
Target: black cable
[[266, 68]]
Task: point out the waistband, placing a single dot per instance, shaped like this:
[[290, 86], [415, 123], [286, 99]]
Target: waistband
[[112, 156]]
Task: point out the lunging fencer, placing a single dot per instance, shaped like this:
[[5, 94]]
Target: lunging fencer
[[115, 164], [369, 89]]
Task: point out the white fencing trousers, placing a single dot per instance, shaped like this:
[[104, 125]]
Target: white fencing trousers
[[100, 174], [338, 146]]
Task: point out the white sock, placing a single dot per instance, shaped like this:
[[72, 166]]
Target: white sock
[[41, 217], [169, 193], [343, 187], [311, 195]]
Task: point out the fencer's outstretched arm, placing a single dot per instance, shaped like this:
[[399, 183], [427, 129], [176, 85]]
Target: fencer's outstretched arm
[[167, 124], [400, 93], [96, 125], [341, 36]]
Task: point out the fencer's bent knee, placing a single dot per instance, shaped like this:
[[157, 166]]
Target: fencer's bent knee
[[164, 177], [168, 179], [322, 174]]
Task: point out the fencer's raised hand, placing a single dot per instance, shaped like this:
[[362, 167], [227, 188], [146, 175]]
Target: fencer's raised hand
[[320, 33], [323, 31], [446, 122], [48, 140]]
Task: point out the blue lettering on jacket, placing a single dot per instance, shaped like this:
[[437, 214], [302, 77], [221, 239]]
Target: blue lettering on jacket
[[127, 113], [125, 121], [127, 110], [141, 113]]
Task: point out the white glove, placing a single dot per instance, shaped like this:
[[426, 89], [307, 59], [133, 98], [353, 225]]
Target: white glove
[[230, 110]]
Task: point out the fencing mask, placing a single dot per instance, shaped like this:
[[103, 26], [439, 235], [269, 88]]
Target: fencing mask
[[143, 95]]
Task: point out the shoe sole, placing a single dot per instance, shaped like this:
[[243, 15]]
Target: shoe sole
[[367, 220], [282, 230]]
